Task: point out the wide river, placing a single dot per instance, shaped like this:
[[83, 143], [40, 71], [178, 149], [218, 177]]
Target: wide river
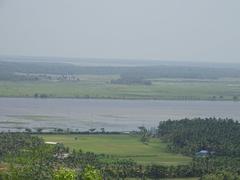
[[113, 115]]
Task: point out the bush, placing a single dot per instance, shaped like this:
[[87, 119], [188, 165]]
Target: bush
[[90, 173], [223, 175], [64, 174]]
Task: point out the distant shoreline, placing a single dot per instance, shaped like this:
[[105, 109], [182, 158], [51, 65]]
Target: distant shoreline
[[115, 98]]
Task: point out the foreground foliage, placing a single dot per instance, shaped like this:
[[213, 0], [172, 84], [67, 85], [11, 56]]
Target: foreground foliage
[[27, 157], [64, 174], [222, 175]]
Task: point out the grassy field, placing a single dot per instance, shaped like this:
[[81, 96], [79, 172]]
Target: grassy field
[[124, 146], [100, 87]]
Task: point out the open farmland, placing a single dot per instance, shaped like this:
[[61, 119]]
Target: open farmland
[[123, 146], [163, 82], [92, 87]]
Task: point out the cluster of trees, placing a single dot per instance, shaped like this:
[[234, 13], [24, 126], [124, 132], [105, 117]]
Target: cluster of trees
[[188, 136], [12, 143], [129, 80], [221, 175], [42, 95], [219, 137], [28, 157], [145, 134], [42, 130]]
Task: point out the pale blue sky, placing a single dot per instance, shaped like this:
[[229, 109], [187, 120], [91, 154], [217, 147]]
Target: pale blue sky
[[178, 30]]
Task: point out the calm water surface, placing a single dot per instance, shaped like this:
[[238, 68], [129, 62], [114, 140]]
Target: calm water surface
[[117, 115]]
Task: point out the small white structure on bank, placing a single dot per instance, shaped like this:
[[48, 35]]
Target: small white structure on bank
[[202, 153], [60, 155], [52, 143]]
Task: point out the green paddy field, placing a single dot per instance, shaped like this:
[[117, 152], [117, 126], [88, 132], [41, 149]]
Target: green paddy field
[[100, 87], [122, 146]]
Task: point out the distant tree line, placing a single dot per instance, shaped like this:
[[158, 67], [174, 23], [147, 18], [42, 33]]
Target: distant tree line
[[128, 80], [8, 70]]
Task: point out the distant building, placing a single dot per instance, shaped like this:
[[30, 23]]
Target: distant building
[[202, 153], [61, 155], [52, 143]]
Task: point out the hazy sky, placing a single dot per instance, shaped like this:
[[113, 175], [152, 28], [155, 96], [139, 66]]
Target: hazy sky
[[188, 30]]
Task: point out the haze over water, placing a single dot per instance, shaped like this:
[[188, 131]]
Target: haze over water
[[113, 115]]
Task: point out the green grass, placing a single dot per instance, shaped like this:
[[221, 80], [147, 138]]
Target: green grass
[[123, 146], [100, 87]]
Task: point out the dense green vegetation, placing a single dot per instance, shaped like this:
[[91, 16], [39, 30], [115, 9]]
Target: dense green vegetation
[[13, 143], [27, 157], [121, 146], [222, 175], [220, 136]]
